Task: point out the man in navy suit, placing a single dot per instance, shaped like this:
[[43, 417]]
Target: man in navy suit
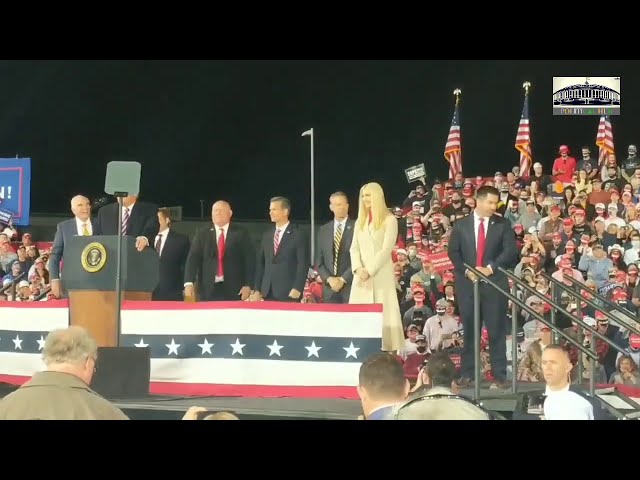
[[283, 258], [487, 242], [381, 386], [80, 225], [173, 248], [139, 220]]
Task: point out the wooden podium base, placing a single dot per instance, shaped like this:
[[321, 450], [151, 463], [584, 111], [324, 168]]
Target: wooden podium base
[[96, 311]]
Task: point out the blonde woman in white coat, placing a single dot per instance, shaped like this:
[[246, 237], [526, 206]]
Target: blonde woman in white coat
[[375, 235]]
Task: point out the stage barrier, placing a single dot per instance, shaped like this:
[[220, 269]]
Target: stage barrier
[[265, 349]]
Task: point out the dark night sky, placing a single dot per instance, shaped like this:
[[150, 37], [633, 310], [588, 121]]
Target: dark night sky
[[231, 129]]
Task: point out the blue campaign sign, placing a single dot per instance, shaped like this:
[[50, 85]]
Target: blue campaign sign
[[15, 188]]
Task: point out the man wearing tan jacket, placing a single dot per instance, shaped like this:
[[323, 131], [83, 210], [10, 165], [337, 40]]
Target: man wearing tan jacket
[[62, 392]]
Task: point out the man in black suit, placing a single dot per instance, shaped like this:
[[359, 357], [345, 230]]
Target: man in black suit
[[80, 225], [173, 248], [486, 241], [139, 220], [283, 258], [221, 259], [333, 259]]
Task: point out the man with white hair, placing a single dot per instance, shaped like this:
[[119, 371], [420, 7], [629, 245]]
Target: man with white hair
[[62, 392], [80, 225]]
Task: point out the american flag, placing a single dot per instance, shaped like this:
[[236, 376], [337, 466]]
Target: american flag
[[523, 140], [453, 148], [265, 349], [604, 139]]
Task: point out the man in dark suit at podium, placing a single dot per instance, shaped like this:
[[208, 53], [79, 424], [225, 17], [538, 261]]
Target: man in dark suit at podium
[[221, 259], [283, 258], [173, 248], [80, 225], [139, 220]]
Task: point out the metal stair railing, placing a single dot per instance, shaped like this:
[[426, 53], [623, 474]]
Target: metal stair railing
[[575, 289], [514, 301], [577, 319]]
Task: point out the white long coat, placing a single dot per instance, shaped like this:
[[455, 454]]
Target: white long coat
[[371, 249]]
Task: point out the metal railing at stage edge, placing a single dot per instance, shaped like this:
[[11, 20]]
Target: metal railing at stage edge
[[577, 319], [515, 302]]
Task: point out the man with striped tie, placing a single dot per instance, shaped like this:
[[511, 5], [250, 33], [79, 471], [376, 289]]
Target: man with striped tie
[[333, 260], [80, 225], [283, 258], [139, 220]]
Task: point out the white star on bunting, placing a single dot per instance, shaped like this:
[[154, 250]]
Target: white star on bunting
[[141, 344], [237, 347], [173, 347], [351, 351], [17, 343], [275, 348], [206, 347], [40, 343], [313, 350]]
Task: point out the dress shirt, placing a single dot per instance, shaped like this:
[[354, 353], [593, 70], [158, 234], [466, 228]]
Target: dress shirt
[[163, 240], [80, 223], [566, 405]]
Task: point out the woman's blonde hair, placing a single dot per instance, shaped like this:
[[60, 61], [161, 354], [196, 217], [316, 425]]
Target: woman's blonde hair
[[378, 207]]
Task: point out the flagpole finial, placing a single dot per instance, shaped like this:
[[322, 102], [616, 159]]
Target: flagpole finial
[[526, 86], [457, 93]]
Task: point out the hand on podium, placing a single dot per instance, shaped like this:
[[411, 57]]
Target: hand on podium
[[189, 294], [142, 243]]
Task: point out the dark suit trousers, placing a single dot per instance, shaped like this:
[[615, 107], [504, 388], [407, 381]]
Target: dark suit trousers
[[220, 293], [271, 298], [329, 296], [167, 296], [493, 314]]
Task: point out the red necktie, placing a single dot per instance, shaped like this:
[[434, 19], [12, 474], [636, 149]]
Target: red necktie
[[221, 254], [480, 245]]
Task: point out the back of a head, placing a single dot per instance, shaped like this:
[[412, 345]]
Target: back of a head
[[441, 370], [221, 416], [68, 346], [382, 376], [444, 405]]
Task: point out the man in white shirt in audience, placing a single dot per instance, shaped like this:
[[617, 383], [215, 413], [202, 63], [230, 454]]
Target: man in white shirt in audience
[[560, 402]]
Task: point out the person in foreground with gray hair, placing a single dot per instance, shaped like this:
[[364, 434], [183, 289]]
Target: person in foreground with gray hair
[[62, 392], [440, 401]]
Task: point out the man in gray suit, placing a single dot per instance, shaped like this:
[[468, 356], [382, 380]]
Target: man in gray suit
[[80, 225], [333, 260]]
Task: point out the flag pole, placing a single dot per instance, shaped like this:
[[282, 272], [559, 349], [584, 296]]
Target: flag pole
[[310, 134]]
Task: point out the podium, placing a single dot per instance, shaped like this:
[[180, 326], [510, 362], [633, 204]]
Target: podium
[[89, 277]]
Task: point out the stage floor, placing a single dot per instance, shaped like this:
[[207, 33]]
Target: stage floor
[[169, 407]]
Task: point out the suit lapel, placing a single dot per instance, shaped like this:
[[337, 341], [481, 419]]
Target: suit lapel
[[347, 235], [283, 238], [168, 243], [491, 227]]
